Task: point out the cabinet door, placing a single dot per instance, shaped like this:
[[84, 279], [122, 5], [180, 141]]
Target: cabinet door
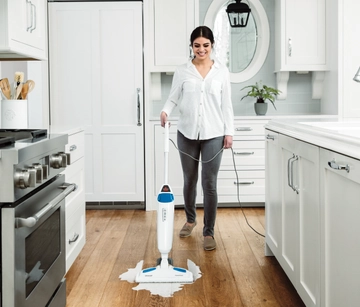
[[27, 24], [96, 81], [300, 250], [340, 211], [273, 192], [302, 25], [173, 23]]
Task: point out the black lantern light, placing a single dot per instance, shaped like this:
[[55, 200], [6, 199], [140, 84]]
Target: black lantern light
[[238, 14]]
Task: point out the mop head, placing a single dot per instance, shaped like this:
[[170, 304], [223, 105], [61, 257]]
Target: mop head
[[164, 274]]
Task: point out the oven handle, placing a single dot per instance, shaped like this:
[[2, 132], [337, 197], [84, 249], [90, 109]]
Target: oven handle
[[32, 220]]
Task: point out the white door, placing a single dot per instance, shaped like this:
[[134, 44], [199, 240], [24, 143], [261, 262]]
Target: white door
[[300, 256], [273, 193], [340, 211], [96, 81], [305, 32]]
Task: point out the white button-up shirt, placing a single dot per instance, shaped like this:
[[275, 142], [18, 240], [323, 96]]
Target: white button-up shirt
[[205, 103]]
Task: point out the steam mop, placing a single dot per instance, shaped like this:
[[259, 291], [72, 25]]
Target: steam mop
[[165, 271]]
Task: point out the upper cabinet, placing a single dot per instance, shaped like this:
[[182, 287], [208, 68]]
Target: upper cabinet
[[300, 42], [300, 35], [172, 22], [23, 29]]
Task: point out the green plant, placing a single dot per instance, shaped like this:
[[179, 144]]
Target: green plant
[[262, 93]]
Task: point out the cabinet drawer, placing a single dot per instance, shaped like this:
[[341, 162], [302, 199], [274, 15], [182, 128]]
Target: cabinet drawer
[[242, 129], [75, 174], [75, 147], [249, 182], [75, 235], [247, 154]]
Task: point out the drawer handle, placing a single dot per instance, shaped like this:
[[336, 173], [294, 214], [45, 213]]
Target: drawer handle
[[339, 167], [74, 239], [243, 129], [270, 137], [244, 153], [244, 182], [73, 147]]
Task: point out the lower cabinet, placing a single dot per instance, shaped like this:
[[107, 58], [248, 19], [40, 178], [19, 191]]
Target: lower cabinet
[[312, 219], [75, 231], [293, 228], [340, 228], [248, 154]]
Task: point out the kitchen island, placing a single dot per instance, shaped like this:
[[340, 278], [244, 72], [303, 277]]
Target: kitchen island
[[313, 205]]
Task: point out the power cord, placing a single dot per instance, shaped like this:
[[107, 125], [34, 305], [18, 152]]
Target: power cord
[[237, 179]]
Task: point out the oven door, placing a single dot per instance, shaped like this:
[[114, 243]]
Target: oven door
[[33, 246]]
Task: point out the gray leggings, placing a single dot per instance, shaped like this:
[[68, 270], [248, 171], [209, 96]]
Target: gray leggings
[[209, 172]]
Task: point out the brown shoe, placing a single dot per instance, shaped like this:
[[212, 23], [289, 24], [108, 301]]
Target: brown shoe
[[186, 230], [209, 243]]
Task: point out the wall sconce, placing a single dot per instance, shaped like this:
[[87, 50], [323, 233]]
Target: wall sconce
[[357, 76], [238, 14]]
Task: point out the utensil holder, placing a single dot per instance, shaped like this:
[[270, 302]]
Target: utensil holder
[[14, 114]]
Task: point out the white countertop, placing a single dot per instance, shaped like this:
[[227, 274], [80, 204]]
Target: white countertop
[[335, 134]]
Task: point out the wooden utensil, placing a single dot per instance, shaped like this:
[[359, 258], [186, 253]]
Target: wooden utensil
[[31, 85], [24, 90], [5, 87], [18, 91]]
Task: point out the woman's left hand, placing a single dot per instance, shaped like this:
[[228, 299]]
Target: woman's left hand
[[228, 141]]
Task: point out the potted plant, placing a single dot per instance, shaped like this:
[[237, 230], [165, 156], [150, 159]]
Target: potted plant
[[261, 93]]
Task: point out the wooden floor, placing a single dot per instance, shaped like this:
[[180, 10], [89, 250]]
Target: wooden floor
[[235, 274]]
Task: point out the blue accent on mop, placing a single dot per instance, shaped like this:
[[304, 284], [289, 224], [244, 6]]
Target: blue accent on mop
[[149, 270], [180, 270], [165, 197]]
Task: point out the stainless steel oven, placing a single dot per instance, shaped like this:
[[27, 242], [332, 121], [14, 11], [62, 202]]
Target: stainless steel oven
[[32, 218]]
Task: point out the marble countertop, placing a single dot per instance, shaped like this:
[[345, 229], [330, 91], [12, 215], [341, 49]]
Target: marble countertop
[[339, 135]]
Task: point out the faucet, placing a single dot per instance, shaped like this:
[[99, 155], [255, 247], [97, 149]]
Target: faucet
[[357, 76]]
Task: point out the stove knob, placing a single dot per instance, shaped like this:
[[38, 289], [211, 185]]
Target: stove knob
[[45, 169], [39, 172], [25, 178], [58, 160]]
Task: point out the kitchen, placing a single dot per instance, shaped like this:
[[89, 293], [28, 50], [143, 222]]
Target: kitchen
[[333, 87]]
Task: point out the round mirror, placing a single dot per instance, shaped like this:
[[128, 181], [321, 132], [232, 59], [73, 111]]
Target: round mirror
[[243, 50]]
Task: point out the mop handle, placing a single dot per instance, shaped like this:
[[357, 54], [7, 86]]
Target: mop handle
[[166, 152]]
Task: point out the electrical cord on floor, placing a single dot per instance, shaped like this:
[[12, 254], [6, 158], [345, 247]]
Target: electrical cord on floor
[[237, 179]]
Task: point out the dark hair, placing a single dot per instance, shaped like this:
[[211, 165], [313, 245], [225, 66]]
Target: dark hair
[[202, 31]]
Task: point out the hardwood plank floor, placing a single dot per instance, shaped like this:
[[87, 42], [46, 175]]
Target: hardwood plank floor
[[235, 274]]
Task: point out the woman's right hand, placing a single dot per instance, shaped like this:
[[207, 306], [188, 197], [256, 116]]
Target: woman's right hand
[[163, 119]]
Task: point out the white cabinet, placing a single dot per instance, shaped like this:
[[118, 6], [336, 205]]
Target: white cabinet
[[293, 228], [340, 211], [300, 250], [96, 81], [248, 153], [273, 200], [172, 22], [23, 25], [300, 42], [75, 232], [300, 35]]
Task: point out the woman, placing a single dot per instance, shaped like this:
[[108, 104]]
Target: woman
[[201, 89]]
